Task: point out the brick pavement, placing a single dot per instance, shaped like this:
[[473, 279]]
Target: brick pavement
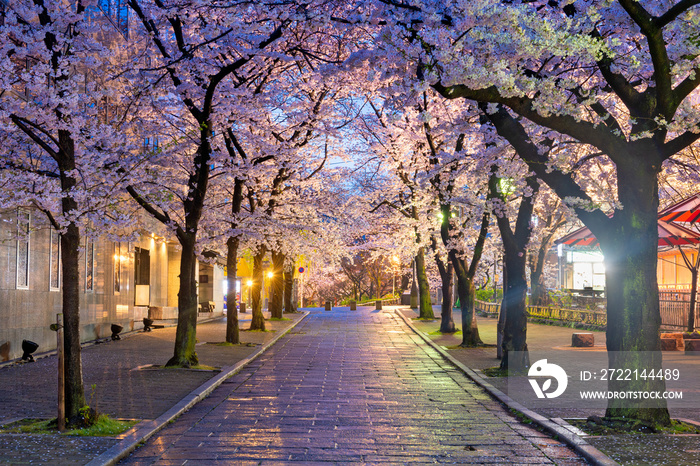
[[122, 390], [350, 387]]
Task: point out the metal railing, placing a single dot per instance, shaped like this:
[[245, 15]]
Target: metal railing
[[673, 306], [550, 313]]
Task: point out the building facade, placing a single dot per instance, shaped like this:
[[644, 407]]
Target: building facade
[[120, 282]]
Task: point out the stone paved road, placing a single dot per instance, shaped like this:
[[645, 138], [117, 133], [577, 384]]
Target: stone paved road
[[355, 387]]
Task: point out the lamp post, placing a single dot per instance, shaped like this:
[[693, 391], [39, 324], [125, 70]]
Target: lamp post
[[395, 262], [414, 287], [250, 291]]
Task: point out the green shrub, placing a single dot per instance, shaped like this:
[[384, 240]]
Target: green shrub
[[486, 294]]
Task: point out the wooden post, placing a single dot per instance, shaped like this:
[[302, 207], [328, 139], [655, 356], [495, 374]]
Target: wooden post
[[61, 419]]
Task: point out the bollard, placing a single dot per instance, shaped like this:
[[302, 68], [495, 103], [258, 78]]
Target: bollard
[[242, 308], [353, 305], [379, 305], [328, 305]]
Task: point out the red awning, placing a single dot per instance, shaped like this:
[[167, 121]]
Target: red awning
[[670, 234], [687, 211]]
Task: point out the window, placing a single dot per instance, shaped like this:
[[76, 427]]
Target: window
[[150, 144], [23, 222], [89, 265], [117, 267], [2, 11], [55, 261], [143, 267], [117, 12]]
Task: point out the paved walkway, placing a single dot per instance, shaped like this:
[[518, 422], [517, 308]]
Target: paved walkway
[[555, 342], [123, 387], [350, 387]]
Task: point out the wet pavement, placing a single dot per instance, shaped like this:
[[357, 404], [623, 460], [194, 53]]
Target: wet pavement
[[629, 450], [118, 382], [350, 386]]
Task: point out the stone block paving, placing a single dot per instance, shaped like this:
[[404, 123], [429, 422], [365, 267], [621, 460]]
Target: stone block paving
[[350, 387], [122, 387]]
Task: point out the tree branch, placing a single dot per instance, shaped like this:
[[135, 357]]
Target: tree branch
[[563, 184], [674, 12]]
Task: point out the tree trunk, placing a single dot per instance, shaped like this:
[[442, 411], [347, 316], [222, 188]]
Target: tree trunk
[[70, 245], [74, 391], [277, 285], [539, 296], [514, 308], [501, 317], [446, 269], [447, 323], [289, 288], [258, 320], [466, 292], [515, 356], [634, 319], [465, 274], [425, 306], [186, 334], [232, 328]]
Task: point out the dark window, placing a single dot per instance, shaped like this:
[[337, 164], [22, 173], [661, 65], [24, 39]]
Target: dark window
[[55, 270], [142, 267], [89, 266], [118, 259], [23, 224]]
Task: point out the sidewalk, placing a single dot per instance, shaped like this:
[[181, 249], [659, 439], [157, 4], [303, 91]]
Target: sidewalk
[[350, 387], [556, 342], [124, 386]]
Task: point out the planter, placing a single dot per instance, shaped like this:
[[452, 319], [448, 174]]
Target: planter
[[155, 313], [692, 345], [672, 341], [582, 340]]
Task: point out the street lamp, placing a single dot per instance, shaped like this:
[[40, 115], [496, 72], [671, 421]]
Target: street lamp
[[250, 291], [395, 262]]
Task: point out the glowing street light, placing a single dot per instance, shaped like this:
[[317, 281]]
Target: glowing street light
[[395, 261]]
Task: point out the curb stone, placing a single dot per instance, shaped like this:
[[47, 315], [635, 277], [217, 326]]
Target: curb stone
[[563, 430], [145, 429]]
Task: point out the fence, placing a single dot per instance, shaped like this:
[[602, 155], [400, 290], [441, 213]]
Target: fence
[[550, 313], [673, 305], [674, 309]]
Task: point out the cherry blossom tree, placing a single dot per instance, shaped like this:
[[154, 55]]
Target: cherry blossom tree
[[59, 133], [618, 77], [386, 132], [194, 59], [550, 217], [457, 182]]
